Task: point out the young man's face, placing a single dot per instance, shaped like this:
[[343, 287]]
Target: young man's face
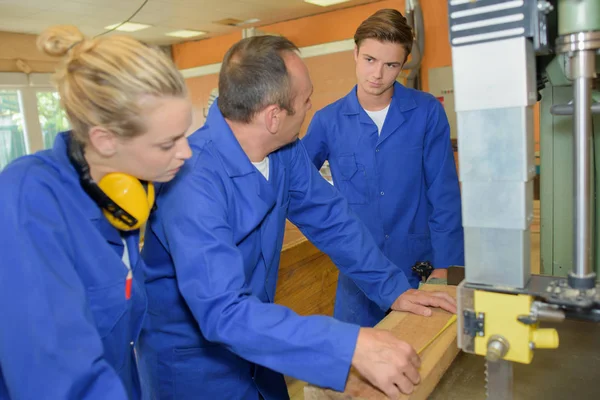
[[378, 64]]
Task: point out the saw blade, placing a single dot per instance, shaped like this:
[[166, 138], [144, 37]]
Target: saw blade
[[499, 380]]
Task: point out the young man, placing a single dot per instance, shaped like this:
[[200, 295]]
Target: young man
[[213, 249], [390, 155]]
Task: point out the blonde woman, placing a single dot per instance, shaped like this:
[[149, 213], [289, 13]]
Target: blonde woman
[[72, 299]]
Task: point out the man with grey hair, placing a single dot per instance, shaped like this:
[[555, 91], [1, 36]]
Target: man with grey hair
[[212, 252]]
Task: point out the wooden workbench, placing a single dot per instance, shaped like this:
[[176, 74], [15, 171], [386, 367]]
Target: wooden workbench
[[307, 277]]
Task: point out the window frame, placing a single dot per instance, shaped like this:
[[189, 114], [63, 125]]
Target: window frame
[[27, 86]]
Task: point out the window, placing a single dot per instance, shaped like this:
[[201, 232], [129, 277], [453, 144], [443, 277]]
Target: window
[[12, 132], [53, 118], [30, 115]]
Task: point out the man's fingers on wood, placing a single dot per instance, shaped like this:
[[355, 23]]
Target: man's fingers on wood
[[413, 375], [405, 385]]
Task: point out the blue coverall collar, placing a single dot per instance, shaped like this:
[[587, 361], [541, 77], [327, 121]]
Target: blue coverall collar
[[87, 205], [402, 100], [235, 161]]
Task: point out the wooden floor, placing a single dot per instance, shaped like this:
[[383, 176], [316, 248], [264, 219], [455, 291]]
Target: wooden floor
[[296, 388]]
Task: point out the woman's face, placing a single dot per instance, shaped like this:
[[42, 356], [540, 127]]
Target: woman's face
[[158, 154]]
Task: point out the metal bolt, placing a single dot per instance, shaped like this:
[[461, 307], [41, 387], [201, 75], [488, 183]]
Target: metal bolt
[[497, 348], [545, 6]]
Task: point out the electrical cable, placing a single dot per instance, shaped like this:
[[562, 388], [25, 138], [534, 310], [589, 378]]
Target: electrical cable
[[124, 22]]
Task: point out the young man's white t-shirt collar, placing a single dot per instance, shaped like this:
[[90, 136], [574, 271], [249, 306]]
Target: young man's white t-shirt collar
[[378, 117]]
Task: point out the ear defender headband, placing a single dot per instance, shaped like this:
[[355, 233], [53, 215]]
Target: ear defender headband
[[125, 200]]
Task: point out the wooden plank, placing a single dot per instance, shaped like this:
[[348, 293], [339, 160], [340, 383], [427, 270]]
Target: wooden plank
[[292, 236], [308, 287], [418, 331]]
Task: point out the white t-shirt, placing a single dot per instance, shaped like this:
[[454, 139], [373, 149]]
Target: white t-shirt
[[378, 117], [263, 167], [125, 257]]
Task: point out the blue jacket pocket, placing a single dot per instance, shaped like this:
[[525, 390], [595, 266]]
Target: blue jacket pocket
[[353, 184], [110, 311]]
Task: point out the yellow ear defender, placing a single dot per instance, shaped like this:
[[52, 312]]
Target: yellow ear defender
[[126, 202], [132, 200]]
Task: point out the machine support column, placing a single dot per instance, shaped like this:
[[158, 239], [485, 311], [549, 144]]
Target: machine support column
[[584, 68]]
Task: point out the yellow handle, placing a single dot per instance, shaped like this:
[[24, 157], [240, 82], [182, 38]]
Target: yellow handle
[[448, 324], [545, 338]]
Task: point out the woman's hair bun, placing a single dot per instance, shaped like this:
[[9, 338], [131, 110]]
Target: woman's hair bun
[[58, 40]]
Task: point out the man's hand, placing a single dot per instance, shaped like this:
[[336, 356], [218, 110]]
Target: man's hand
[[390, 364], [418, 301]]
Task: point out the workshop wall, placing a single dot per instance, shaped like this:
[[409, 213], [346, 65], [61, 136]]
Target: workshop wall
[[333, 74], [18, 53]]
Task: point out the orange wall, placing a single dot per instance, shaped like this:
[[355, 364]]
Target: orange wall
[[333, 77], [199, 89], [331, 26], [203, 52], [437, 42], [333, 74], [328, 27], [536, 126]]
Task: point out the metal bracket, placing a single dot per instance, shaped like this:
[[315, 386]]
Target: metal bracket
[[559, 292], [542, 312], [474, 324], [568, 109], [527, 319]]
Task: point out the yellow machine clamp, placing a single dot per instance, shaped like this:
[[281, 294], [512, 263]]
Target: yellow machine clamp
[[503, 329]]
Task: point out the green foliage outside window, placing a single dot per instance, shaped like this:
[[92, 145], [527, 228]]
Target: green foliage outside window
[[12, 138], [53, 118]]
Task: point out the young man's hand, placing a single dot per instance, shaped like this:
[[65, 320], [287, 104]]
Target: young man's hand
[[389, 364], [419, 302]]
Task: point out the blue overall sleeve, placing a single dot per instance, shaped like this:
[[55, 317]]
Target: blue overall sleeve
[[49, 345], [211, 278], [443, 191], [315, 141], [325, 218]]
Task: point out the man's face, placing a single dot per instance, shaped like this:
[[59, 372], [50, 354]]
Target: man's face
[[301, 90], [378, 65]]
